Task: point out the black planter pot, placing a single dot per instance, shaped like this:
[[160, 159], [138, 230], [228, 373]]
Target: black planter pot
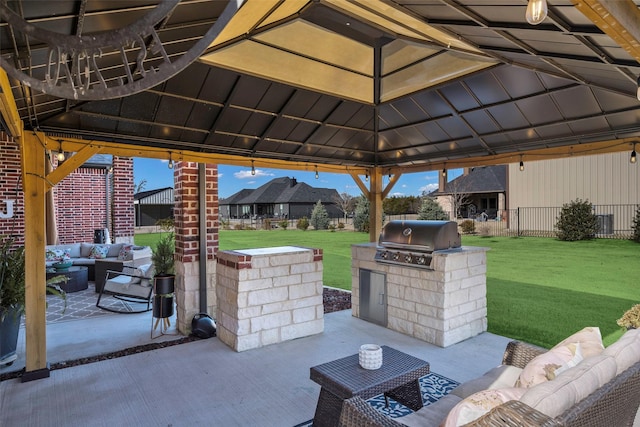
[[9, 329], [163, 284], [162, 306]]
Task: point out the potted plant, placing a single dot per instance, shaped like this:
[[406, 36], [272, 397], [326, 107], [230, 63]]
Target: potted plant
[[164, 277], [12, 296]]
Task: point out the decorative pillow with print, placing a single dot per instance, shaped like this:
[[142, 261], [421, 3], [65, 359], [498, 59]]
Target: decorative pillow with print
[[99, 252], [566, 354], [478, 404], [124, 252], [58, 254]]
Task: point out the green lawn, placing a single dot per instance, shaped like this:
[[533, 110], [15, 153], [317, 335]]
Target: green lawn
[[539, 290]]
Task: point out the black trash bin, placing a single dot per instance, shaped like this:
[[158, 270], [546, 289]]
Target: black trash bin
[[99, 235]]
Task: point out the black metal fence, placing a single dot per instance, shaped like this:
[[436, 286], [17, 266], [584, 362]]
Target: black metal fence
[[614, 221]]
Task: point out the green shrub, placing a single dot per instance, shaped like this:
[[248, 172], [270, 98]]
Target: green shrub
[[303, 223], [332, 227], [266, 224], [577, 221], [283, 224], [239, 227], [341, 225], [636, 227], [468, 226]]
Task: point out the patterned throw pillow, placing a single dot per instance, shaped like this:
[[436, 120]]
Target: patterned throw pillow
[[99, 252], [568, 353], [58, 254], [124, 252], [478, 404]]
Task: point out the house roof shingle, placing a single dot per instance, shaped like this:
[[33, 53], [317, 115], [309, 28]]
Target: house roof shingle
[[485, 179], [281, 190]]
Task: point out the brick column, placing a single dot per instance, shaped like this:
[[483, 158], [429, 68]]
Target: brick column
[[11, 196], [123, 211], [187, 218]]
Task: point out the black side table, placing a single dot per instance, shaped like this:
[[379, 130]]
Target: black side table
[[344, 378]]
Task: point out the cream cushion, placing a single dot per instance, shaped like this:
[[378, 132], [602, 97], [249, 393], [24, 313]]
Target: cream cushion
[[566, 354], [626, 351], [480, 403], [554, 397]]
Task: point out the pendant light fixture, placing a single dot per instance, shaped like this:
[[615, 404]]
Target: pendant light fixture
[[317, 176], [253, 168], [536, 11], [633, 158], [170, 165], [521, 164]]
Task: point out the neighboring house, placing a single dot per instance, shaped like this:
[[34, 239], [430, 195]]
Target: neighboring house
[[478, 193], [153, 205], [279, 198]]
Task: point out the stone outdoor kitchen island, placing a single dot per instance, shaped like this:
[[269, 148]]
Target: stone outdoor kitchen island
[[268, 295], [442, 305]]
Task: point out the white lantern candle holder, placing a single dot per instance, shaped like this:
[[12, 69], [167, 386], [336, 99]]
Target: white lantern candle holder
[[370, 356]]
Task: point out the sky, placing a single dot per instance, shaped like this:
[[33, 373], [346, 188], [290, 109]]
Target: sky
[[232, 179]]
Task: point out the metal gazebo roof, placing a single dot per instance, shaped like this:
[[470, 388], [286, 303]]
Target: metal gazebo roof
[[401, 85]]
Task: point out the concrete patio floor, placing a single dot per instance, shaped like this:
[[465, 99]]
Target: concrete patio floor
[[205, 382]]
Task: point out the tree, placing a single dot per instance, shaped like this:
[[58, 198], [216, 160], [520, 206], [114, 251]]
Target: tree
[[431, 210], [398, 205], [361, 216], [345, 202], [459, 196], [319, 217], [140, 186]]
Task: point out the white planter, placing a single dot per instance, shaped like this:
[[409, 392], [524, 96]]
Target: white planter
[[370, 356]]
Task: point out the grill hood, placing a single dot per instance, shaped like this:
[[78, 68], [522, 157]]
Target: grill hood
[[423, 236]]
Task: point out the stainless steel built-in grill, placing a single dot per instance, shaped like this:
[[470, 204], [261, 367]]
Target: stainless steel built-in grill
[[411, 243]]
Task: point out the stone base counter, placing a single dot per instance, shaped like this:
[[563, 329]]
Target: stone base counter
[[268, 295], [442, 306]]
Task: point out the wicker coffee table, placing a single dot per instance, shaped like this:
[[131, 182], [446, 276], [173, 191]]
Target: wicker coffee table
[[344, 378]]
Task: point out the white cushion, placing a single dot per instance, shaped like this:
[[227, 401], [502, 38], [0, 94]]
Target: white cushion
[[554, 397], [626, 351], [503, 376]]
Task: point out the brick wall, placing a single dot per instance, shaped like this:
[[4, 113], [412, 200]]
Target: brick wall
[[81, 205], [11, 187], [80, 198]]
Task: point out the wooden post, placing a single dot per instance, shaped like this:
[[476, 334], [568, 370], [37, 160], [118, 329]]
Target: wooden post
[[34, 185], [375, 205]]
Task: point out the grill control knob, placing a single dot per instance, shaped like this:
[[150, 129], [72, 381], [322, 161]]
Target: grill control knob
[[407, 258], [396, 256], [384, 254], [422, 260]]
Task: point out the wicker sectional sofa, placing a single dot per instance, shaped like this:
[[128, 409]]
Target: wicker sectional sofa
[[600, 390], [87, 254]]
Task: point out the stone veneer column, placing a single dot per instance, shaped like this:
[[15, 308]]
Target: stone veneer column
[[187, 232], [269, 295], [442, 306]]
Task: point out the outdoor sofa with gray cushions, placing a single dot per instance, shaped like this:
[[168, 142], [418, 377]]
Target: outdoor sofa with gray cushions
[[86, 254], [568, 385]]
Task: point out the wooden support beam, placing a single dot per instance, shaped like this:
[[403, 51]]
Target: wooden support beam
[[361, 185], [619, 19], [375, 205], [33, 178], [8, 108], [71, 164], [394, 179]]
